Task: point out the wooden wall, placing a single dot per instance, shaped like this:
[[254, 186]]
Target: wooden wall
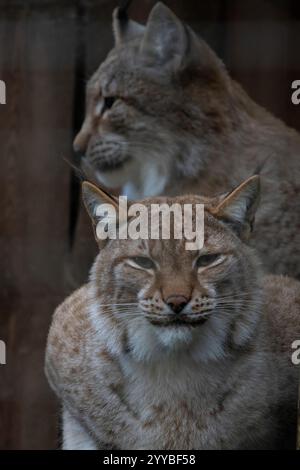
[[48, 49]]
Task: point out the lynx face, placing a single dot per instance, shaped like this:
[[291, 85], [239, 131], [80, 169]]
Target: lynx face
[[168, 298], [158, 90]]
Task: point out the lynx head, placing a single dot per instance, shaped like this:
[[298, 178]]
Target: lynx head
[[166, 298], [157, 107]]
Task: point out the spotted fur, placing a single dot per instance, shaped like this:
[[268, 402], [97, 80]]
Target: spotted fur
[[132, 373]]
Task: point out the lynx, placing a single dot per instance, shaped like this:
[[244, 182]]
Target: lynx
[[163, 117], [167, 348]]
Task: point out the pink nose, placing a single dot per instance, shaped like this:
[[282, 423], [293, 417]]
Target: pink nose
[[177, 302]]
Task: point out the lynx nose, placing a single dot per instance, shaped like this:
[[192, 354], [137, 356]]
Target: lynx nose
[[177, 302], [81, 140]]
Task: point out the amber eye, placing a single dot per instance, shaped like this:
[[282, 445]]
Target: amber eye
[[206, 260], [143, 262], [109, 102]]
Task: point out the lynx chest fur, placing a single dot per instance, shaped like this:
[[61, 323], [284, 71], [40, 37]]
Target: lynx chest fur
[[184, 405], [184, 401]]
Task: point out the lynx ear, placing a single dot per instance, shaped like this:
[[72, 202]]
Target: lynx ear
[[125, 29], [239, 206], [100, 205], [165, 38]]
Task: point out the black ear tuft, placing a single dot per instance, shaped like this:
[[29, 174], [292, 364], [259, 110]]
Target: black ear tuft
[[122, 11], [124, 28]]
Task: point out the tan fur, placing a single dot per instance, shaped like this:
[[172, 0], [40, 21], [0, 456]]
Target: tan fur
[[180, 124], [129, 378]]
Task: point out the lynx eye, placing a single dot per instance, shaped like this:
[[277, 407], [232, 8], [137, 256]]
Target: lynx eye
[[206, 260], [108, 102], [143, 262]]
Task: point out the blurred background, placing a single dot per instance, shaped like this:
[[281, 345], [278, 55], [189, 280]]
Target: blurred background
[[48, 49]]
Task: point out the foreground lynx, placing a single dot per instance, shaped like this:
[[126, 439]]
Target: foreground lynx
[[166, 348], [164, 118]]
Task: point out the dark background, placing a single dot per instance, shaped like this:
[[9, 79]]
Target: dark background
[[48, 49]]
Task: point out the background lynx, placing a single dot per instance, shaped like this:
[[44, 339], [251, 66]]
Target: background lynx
[[164, 117], [166, 348]]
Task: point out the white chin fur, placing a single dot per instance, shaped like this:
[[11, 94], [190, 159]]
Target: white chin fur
[[174, 337], [118, 177], [204, 342], [137, 180]]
